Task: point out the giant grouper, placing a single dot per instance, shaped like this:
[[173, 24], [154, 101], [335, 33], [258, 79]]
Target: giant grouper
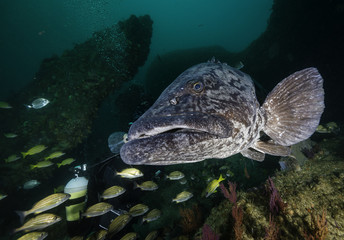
[[211, 111]]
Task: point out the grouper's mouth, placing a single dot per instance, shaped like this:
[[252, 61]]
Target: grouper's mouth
[[189, 123], [153, 140]]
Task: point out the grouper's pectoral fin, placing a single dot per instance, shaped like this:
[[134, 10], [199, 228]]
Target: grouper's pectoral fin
[[253, 154], [271, 148]]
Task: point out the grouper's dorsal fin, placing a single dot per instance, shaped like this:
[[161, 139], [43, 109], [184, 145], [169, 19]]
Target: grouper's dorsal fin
[[214, 60]]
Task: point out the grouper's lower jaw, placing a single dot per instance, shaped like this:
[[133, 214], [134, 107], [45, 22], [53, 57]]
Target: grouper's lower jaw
[[167, 149], [151, 126]]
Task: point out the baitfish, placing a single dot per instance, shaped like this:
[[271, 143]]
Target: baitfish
[[211, 111], [34, 236], [38, 103]]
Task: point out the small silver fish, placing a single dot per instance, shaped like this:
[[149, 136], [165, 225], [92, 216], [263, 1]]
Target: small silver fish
[[38, 103], [2, 196], [130, 173], [12, 158], [31, 184], [10, 135], [175, 175], [182, 197]]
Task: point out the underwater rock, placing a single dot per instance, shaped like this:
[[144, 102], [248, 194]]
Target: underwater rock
[[75, 83], [311, 33], [309, 193]]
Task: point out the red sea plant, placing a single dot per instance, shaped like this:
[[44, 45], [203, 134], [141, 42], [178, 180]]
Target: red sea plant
[[237, 212], [319, 228], [271, 232], [231, 194], [190, 219], [276, 203], [208, 234]]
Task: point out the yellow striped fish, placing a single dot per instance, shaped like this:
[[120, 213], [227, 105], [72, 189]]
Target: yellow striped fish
[[39, 222], [118, 224], [34, 236], [54, 155], [130, 236], [152, 215], [152, 235], [5, 105], [97, 209], [45, 204], [138, 210], [212, 186], [34, 150], [112, 192]]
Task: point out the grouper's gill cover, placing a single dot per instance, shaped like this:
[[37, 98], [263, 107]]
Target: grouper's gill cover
[[211, 111]]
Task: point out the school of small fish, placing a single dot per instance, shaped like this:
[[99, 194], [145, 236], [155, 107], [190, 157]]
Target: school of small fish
[[42, 220], [140, 209]]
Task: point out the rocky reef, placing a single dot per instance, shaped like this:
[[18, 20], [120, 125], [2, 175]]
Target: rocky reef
[[313, 198], [75, 83]]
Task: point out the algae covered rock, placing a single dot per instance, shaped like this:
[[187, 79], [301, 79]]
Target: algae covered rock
[[75, 83], [313, 196]]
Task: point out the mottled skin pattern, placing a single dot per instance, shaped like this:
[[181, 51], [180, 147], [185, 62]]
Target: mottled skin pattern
[[209, 111]]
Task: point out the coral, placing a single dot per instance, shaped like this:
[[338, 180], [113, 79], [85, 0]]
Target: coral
[[190, 219], [237, 212], [208, 234], [271, 232], [276, 203], [238, 216], [319, 184], [318, 227], [231, 194]]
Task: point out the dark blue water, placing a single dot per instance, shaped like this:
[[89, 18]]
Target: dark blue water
[[34, 30]]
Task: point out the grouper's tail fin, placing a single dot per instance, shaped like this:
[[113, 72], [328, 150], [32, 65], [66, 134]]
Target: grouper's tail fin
[[294, 107]]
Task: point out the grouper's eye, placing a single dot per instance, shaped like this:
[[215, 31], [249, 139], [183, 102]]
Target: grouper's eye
[[198, 87]]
